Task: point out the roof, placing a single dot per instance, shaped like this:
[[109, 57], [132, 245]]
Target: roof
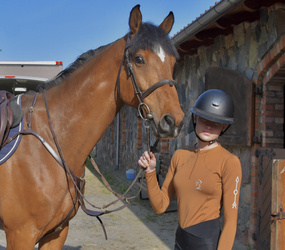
[[218, 20]]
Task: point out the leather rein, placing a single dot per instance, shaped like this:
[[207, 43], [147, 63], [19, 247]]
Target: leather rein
[[79, 182]]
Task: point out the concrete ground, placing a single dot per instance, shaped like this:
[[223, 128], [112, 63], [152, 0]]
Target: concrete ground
[[134, 227]]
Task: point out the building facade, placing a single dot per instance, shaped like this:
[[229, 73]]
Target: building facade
[[242, 52]]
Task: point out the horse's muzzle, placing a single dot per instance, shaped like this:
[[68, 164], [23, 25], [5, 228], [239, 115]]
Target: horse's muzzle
[[166, 127]]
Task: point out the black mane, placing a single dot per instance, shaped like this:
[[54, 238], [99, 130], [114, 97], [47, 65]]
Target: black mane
[[80, 61], [148, 37]]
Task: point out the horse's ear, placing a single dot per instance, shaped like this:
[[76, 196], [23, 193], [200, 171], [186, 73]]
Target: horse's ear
[[135, 19], [167, 23]]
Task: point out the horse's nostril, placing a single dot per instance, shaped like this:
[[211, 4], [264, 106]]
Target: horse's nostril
[[167, 127], [167, 123], [170, 121]]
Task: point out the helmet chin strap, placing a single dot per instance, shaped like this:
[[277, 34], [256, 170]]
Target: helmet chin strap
[[210, 142]]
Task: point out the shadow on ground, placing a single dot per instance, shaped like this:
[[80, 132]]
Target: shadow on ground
[[134, 227]]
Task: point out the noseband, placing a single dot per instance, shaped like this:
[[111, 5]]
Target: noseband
[[143, 110]]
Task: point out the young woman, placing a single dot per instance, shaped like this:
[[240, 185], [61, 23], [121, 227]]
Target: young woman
[[205, 179]]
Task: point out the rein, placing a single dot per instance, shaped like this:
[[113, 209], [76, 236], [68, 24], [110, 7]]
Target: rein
[[79, 180]]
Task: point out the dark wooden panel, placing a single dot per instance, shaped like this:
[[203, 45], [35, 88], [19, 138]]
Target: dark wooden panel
[[265, 202], [241, 91], [264, 187]]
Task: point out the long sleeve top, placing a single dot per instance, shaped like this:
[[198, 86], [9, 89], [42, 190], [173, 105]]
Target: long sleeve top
[[204, 181]]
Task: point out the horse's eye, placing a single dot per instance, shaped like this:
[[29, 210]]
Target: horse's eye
[[139, 60]]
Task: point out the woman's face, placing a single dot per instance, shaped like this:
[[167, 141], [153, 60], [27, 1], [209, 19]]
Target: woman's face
[[208, 130]]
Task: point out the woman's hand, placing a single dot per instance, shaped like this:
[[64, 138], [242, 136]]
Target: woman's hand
[[148, 162]]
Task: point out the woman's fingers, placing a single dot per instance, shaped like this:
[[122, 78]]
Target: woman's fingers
[[147, 160], [143, 162], [146, 156]]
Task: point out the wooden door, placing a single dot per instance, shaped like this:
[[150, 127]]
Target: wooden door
[[278, 205], [270, 199]]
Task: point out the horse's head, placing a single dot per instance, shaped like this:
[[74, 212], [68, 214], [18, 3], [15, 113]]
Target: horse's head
[[150, 57]]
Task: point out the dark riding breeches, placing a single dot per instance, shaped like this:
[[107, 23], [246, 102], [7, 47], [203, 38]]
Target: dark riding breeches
[[203, 236]]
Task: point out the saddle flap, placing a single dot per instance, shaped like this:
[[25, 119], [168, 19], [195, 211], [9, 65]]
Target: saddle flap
[[6, 115], [17, 112]]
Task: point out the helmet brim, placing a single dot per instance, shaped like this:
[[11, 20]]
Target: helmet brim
[[212, 117]]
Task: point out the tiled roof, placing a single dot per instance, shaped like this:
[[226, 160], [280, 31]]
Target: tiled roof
[[218, 20]]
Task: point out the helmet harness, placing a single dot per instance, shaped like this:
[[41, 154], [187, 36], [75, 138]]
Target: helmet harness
[[216, 106]]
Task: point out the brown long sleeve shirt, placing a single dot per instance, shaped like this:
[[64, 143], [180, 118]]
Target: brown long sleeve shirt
[[204, 181]]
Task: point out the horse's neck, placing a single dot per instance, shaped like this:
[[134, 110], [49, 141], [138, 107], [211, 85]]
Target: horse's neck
[[84, 106]]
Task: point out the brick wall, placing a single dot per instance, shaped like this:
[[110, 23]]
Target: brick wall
[[274, 116], [270, 103]]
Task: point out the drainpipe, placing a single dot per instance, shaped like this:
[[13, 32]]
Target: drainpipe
[[203, 21], [117, 141]]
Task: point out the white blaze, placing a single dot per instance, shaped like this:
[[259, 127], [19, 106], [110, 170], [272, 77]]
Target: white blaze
[[160, 52]]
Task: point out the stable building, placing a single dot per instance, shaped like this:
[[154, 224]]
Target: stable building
[[237, 46]]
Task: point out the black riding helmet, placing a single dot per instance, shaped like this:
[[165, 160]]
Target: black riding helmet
[[214, 105]]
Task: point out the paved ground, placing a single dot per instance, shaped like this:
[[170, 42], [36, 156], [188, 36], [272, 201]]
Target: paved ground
[[134, 227]]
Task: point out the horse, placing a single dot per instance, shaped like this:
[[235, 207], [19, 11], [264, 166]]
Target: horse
[[37, 197]]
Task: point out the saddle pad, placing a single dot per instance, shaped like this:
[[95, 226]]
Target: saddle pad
[[7, 151]]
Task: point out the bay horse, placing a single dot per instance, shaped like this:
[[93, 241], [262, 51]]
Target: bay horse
[[36, 194]]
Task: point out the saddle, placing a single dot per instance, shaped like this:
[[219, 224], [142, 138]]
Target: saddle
[[10, 114]]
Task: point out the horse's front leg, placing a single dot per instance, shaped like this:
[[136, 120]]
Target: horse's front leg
[[23, 239], [54, 241]]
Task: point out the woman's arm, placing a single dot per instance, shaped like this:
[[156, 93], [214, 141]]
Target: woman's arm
[[231, 181], [159, 197]]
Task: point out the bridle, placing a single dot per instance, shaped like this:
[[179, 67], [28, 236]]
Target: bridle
[[143, 109]]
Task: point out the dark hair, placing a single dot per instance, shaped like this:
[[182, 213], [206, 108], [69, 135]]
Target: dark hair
[[149, 37], [80, 61]]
